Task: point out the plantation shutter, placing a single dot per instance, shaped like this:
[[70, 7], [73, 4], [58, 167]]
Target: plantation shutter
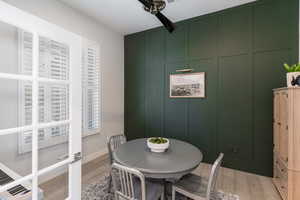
[[25, 89], [55, 66], [91, 89]]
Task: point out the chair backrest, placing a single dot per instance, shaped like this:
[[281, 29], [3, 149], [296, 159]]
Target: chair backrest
[[124, 184], [211, 187], [113, 143]]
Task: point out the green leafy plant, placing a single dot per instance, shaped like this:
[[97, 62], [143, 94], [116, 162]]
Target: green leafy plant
[[158, 140], [293, 68]]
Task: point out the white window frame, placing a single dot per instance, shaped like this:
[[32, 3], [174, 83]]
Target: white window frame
[[96, 47]]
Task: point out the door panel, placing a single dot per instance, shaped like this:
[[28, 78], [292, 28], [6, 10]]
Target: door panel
[[175, 109], [202, 112], [235, 110]]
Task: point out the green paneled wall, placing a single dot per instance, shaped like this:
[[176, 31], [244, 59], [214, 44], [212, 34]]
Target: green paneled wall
[[241, 50]]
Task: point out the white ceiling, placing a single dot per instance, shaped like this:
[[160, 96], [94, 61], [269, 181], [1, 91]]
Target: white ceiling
[[127, 16]]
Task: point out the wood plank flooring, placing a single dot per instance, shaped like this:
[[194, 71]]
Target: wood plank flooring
[[247, 186]]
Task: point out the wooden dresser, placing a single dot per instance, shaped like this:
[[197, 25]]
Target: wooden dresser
[[287, 142]]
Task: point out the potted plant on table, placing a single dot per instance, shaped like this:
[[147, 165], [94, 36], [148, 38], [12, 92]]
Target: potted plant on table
[[293, 74]]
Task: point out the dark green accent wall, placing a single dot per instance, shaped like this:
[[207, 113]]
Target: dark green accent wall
[[242, 50]]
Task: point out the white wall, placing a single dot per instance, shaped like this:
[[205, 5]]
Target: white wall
[[112, 70]]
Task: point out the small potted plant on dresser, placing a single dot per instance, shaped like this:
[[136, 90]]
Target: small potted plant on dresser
[[293, 75]]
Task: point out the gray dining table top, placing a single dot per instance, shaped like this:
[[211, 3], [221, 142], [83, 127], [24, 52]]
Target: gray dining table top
[[181, 158]]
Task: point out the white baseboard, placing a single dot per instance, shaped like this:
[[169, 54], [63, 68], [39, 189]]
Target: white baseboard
[[85, 159], [94, 155]]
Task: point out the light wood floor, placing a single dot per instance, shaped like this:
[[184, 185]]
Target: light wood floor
[[247, 186]]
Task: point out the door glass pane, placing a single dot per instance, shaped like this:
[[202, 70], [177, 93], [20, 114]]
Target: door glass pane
[[53, 107], [15, 50], [53, 145], [54, 148], [54, 59], [15, 103], [14, 164], [54, 64], [53, 102], [54, 185]]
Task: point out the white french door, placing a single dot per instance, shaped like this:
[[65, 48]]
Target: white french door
[[61, 80]]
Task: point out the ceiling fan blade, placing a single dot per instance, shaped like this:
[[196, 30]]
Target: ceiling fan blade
[[166, 22], [145, 3]]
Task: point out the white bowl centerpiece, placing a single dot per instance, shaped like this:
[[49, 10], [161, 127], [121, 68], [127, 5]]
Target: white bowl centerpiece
[[158, 144]]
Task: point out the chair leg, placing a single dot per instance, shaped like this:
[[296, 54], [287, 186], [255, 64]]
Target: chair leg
[[173, 193], [162, 197], [109, 183]]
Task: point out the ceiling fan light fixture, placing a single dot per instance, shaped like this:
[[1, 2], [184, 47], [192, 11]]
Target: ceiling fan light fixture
[[156, 6]]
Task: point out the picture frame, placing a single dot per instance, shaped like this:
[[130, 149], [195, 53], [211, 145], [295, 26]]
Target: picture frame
[[189, 85]]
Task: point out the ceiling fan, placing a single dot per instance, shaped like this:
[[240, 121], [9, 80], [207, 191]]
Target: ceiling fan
[[154, 7]]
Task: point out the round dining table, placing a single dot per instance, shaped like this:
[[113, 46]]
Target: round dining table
[[178, 160]]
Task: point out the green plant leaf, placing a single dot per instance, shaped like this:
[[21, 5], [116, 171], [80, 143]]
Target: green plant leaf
[[287, 67], [292, 68]]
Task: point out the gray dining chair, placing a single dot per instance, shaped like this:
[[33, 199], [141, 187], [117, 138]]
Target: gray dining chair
[[130, 184], [199, 188], [113, 143]]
